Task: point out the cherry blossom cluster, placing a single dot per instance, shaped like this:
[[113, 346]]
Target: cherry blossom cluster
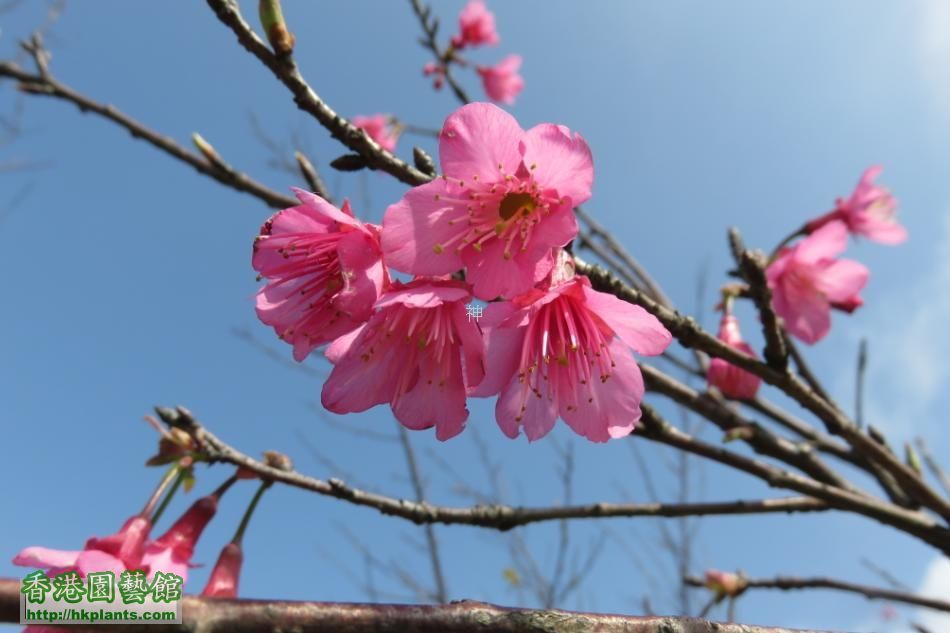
[[808, 279], [492, 228], [501, 82]]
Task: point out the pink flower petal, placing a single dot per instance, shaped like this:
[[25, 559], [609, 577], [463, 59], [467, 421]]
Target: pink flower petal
[[46, 558], [414, 226], [843, 279], [538, 415], [476, 139], [827, 242], [494, 276], [611, 408], [563, 161], [635, 326]]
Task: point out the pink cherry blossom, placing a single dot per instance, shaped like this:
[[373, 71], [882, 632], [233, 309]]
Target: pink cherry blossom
[[502, 82], [223, 581], [729, 379], [171, 552], [417, 353], [116, 553], [505, 201], [476, 26], [870, 211], [566, 352], [807, 281], [324, 270], [378, 128]]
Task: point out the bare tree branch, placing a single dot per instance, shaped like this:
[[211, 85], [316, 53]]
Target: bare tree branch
[[791, 583], [44, 84], [690, 335], [499, 517], [285, 70]]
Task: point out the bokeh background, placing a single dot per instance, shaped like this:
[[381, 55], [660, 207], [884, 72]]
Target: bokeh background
[[127, 280]]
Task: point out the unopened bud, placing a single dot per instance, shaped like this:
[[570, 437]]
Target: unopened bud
[[278, 461], [272, 19]]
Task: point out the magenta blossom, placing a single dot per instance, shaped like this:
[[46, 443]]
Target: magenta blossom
[[378, 128], [729, 379], [223, 581], [116, 553], [417, 353], [505, 201], [566, 352], [807, 281], [171, 553], [502, 82], [476, 26], [870, 212], [324, 270]]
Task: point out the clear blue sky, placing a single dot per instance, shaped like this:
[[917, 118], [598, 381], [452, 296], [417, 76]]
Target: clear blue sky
[[127, 273]]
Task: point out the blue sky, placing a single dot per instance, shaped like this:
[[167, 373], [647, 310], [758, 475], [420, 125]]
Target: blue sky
[[128, 273]]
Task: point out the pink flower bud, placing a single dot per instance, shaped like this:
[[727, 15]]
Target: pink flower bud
[[223, 581], [729, 379]]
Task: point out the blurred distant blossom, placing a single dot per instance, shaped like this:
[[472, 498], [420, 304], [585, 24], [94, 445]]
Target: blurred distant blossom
[[476, 26], [502, 82], [807, 280], [870, 212], [379, 128]]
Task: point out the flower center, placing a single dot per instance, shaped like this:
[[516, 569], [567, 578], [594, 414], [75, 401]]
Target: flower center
[[514, 203]]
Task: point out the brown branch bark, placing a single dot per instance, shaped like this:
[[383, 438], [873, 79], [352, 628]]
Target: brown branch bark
[[500, 517], [759, 438], [692, 336], [655, 428], [285, 70], [752, 268], [214, 615]]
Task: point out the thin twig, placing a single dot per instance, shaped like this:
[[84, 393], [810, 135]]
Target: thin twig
[[47, 85], [284, 68], [752, 268], [791, 583], [430, 26], [859, 382], [418, 488], [500, 517]]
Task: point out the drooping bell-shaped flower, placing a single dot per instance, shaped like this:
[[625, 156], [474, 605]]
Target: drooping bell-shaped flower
[[807, 280], [223, 581], [324, 272], [116, 552], [565, 352], [417, 353], [379, 128], [171, 552]]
